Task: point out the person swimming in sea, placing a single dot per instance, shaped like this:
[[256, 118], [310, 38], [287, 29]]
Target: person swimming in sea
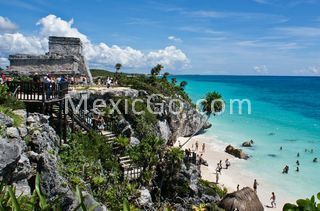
[[285, 170], [315, 160], [297, 170], [298, 154], [280, 148], [298, 163]]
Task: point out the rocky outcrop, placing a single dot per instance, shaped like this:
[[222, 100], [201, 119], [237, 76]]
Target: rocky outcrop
[[242, 200], [32, 148], [247, 143], [236, 152], [170, 124]]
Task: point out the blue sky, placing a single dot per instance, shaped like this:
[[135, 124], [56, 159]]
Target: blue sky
[[242, 37]]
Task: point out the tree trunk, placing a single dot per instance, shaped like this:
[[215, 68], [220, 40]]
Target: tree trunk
[[197, 131]]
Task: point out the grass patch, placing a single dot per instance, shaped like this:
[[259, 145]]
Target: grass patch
[[17, 120]]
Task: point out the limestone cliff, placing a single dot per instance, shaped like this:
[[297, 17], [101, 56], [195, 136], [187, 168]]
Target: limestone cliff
[[169, 125]]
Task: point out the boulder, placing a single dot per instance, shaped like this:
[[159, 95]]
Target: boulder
[[164, 130], [22, 188], [242, 200], [23, 131], [134, 141], [5, 120], [236, 152], [247, 143], [145, 199], [13, 132], [10, 153], [90, 202], [23, 169]]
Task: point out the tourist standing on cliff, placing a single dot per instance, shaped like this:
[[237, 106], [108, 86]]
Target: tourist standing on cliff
[[3, 78], [255, 185]]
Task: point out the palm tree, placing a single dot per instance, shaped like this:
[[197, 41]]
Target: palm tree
[[165, 76], [118, 67], [173, 81], [156, 70], [212, 104], [183, 84]]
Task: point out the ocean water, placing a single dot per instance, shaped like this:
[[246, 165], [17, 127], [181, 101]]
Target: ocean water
[[285, 112]]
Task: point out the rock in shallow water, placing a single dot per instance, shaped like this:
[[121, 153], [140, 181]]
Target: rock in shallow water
[[236, 152]]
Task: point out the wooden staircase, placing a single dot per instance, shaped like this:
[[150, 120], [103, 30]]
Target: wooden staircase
[[130, 170]]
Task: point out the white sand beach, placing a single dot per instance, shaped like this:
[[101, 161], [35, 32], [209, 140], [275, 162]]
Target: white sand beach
[[235, 174]]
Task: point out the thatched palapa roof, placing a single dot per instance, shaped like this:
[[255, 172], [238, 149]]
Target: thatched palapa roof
[[242, 200]]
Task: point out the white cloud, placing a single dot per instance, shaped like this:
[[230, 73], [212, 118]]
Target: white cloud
[[175, 39], [7, 25], [262, 69], [300, 31], [97, 54], [18, 43], [314, 69]]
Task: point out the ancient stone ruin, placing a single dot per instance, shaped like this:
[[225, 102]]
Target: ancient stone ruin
[[64, 57]]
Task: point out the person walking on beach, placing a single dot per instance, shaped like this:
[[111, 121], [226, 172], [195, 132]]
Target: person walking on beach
[[273, 200], [238, 187], [197, 145], [227, 163], [255, 185], [203, 147]]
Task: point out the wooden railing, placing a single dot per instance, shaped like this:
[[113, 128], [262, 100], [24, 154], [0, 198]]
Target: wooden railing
[[37, 91]]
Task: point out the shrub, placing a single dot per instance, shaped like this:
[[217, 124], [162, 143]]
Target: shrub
[[210, 188], [304, 204]]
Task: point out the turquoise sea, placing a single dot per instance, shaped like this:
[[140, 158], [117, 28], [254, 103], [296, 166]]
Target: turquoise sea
[[285, 112]]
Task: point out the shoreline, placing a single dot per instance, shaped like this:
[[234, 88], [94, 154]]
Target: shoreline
[[235, 174]]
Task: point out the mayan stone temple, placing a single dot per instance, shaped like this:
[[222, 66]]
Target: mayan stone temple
[[64, 57]]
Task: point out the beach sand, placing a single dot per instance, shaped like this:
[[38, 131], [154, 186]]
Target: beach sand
[[235, 174]]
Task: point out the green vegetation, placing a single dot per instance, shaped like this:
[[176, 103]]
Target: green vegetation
[[8, 101], [304, 205], [89, 160], [118, 67], [17, 120], [210, 188], [151, 84], [37, 201], [8, 104]]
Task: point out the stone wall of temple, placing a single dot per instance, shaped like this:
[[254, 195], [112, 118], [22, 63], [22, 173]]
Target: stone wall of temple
[[64, 57], [65, 46]]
